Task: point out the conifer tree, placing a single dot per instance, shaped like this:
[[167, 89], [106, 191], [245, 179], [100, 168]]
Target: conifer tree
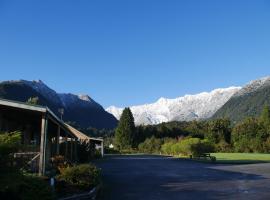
[[265, 117], [125, 131]]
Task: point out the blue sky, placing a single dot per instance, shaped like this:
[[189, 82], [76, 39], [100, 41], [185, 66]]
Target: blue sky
[[134, 51]]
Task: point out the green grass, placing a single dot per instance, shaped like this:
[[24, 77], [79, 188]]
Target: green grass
[[241, 158]]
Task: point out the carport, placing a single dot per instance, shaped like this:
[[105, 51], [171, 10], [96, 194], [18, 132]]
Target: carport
[[44, 135]]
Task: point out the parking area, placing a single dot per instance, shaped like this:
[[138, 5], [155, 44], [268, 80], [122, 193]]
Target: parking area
[[156, 177]]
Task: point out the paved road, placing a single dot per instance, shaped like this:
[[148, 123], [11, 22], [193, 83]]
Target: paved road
[[156, 178]]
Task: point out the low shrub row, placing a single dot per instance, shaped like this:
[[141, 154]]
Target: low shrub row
[[18, 185], [187, 147], [83, 177]]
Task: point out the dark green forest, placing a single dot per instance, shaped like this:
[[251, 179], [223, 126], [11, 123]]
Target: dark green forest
[[251, 134]]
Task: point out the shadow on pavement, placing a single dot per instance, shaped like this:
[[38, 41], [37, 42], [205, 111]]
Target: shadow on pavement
[[155, 177]]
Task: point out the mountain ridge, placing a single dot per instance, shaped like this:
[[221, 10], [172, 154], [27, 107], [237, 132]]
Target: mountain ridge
[[81, 109], [247, 102], [186, 108]]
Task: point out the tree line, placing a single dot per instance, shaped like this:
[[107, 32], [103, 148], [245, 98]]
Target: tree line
[[249, 135]]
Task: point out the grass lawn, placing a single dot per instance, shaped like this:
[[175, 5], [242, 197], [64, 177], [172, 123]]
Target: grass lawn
[[241, 158]]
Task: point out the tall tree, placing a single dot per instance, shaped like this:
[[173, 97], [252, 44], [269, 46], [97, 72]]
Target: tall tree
[[265, 117], [33, 101], [125, 132], [219, 130]]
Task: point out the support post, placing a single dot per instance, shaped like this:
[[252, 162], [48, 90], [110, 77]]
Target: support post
[[71, 150], [102, 149], [75, 150], [43, 141], [58, 140], [1, 121], [66, 146]]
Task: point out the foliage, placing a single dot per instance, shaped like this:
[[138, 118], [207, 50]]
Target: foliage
[[219, 130], [33, 101], [151, 145], [125, 132], [246, 136], [60, 163], [188, 146], [14, 184], [86, 151], [9, 143], [264, 118], [166, 148], [247, 105], [83, 176], [20, 186]]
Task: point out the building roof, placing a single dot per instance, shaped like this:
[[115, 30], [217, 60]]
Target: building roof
[[42, 109], [81, 135], [21, 105]]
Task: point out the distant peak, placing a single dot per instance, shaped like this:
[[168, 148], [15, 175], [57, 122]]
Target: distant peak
[[38, 81], [162, 99], [84, 97], [254, 85], [260, 81]]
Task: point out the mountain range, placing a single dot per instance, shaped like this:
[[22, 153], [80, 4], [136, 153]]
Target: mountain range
[[247, 102], [79, 109], [234, 103], [186, 108]]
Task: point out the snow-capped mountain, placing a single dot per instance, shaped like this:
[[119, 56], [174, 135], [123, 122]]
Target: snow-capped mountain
[[186, 108], [253, 86], [59, 98], [80, 109], [247, 102]]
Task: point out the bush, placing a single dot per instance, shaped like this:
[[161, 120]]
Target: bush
[[187, 147], [19, 186], [203, 146], [9, 143], [82, 176], [59, 163], [151, 145]]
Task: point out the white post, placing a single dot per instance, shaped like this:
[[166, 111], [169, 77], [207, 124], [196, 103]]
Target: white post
[[102, 149], [43, 141]]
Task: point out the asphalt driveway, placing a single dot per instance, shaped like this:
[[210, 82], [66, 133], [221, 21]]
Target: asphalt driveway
[[157, 177]]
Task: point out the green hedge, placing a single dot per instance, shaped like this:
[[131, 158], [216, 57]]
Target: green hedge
[[150, 145], [15, 185], [83, 176], [187, 147]]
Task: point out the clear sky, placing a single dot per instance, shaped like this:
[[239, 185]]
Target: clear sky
[[134, 51]]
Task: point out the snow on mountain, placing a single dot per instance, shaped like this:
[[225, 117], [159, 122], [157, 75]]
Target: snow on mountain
[[61, 99], [253, 86], [84, 97], [186, 108], [43, 89]]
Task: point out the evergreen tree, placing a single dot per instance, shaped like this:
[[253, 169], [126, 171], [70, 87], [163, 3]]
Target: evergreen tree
[[219, 131], [125, 132], [33, 101], [265, 117]]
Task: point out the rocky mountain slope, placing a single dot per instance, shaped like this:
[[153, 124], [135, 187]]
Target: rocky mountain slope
[[80, 109], [249, 101], [186, 108]]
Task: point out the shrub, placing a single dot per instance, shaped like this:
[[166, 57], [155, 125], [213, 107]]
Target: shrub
[[9, 143], [203, 146], [166, 148], [187, 147], [20, 186], [59, 163], [82, 176], [150, 145], [85, 152]]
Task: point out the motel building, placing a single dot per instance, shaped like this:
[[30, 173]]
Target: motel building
[[44, 135]]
